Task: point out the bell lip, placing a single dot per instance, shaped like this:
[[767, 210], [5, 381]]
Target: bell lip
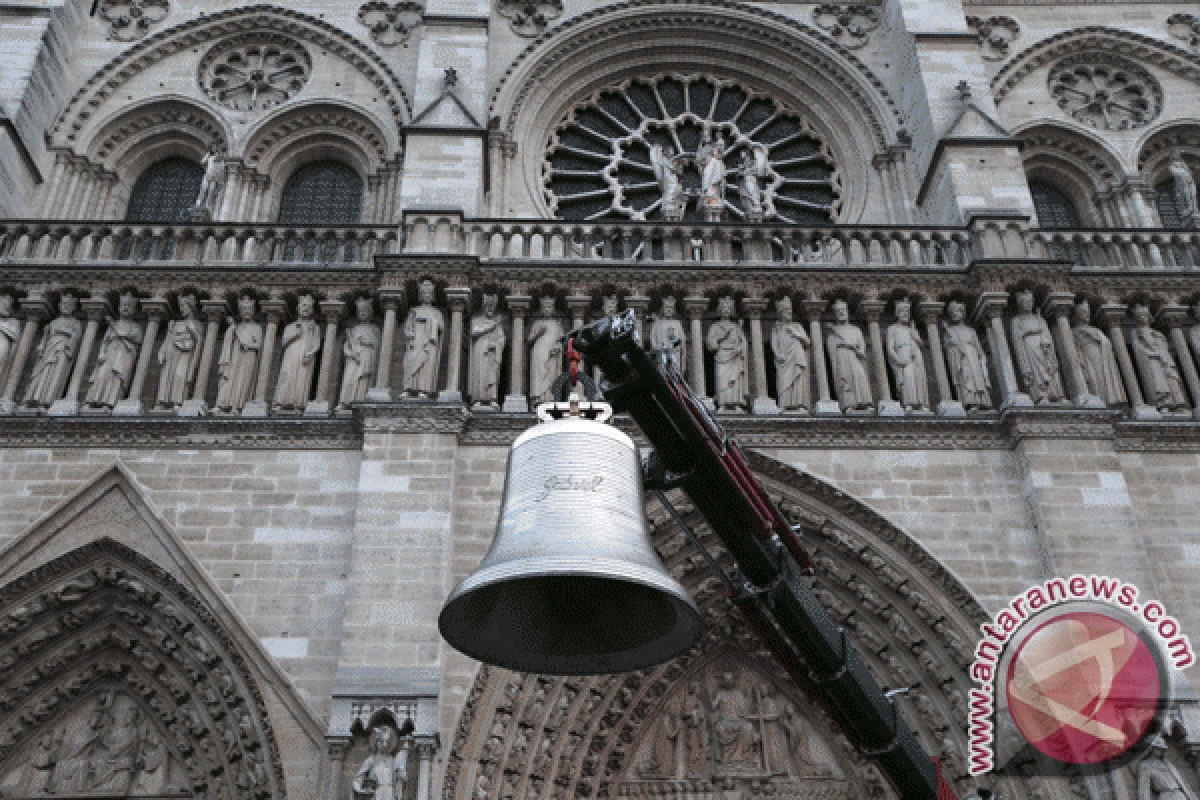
[[574, 425], [687, 631]]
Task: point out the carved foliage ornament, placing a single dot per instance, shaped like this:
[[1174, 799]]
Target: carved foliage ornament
[[1105, 91], [390, 23], [996, 34], [131, 19], [851, 26], [114, 681], [255, 73], [1185, 27], [529, 17]]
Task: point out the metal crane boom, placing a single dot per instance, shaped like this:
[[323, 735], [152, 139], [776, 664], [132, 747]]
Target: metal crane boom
[[693, 453]]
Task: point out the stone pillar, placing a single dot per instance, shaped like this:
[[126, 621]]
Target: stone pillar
[[382, 391], [96, 308], [1112, 315], [1174, 317], [274, 308], [53, 186], [156, 310], [37, 308], [322, 402], [457, 298], [991, 307], [1059, 306], [826, 405], [578, 305], [426, 747], [753, 308], [638, 303], [516, 402], [929, 313], [695, 307], [871, 311], [215, 309]]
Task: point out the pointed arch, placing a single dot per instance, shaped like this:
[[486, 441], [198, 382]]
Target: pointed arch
[[913, 621], [1073, 161]]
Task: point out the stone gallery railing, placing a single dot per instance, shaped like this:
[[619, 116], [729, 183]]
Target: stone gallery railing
[[108, 318]]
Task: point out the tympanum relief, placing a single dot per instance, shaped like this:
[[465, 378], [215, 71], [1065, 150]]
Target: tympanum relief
[[728, 725]]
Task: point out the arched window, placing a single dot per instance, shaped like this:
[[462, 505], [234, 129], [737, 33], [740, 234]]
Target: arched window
[[322, 193], [165, 191], [1054, 209]]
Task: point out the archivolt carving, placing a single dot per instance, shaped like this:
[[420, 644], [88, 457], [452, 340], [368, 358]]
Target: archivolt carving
[[164, 44], [115, 680], [277, 133], [609, 736], [1055, 148], [1133, 46], [175, 117]]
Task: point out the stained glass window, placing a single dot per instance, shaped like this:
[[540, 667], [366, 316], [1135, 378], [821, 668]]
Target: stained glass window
[[165, 191], [322, 193], [1054, 209]]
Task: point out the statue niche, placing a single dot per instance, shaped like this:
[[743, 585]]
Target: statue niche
[[727, 724]]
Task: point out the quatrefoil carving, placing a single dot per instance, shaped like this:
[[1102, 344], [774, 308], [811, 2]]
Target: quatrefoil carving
[[851, 26], [996, 34], [390, 23], [131, 19], [529, 17]]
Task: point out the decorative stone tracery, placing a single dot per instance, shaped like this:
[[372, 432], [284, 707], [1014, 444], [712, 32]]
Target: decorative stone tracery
[[1105, 91], [1185, 27], [995, 34], [131, 19], [390, 23], [851, 26], [529, 17], [255, 74]]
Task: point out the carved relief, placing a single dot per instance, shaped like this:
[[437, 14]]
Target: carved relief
[[390, 23], [254, 73], [1105, 91], [851, 26], [131, 19], [996, 34], [1185, 27], [529, 17]]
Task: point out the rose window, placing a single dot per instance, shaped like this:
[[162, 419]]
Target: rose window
[[251, 76], [689, 148], [1105, 92]]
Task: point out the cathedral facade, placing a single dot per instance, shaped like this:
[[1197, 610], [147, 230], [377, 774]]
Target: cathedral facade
[[280, 285]]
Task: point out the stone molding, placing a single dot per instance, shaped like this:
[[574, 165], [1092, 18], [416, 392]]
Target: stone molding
[[176, 115], [171, 432]]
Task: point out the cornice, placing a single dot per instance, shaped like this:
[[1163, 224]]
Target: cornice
[[159, 433]]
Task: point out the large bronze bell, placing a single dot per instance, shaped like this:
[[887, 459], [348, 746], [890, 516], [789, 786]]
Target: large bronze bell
[[571, 585]]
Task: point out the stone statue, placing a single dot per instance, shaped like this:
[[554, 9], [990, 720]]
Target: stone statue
[[848, 360], [1036, 360], [10, 330], [179, 355], [663, 759], [710, 157], [1185, 188], [668, 170], [237, 366], [546, 349], [1157, 778], [360, 352], [907, 360], [487, 351], [1161, 382], [74, 757], [789, 344], [117, 358], [753, 173], [300, 344], [155, 761], [695, 734], [1100, 369], [423, 331], [384, 774], [737, 739], [777, 745], [114, 760], [966, 359], [56, 355], [667, 333], [211, 183], [727, 342]]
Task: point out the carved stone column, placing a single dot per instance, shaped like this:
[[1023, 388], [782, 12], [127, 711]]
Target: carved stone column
[[96, 308], [871, 311], [826, 405], [929, 313], [578, 305], [638, 303], [215, 310], [1059, 306], [322, 402], [274, 308], [516, 402], [695, 307], [1113, 315], [753, 308], [37, 308], [156, 311], [382, 391], [338, 748], [457, 298], [1174, 317], [426, 748], [991, 307]]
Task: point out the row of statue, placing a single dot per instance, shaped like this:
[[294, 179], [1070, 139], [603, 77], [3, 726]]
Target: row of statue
[[246, 350]]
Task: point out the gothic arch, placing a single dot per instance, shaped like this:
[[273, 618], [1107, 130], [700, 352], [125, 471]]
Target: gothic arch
[[912, 620], [1154, 148], [106, 81], [1138, 47], [850, 108], [1073, 161]]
